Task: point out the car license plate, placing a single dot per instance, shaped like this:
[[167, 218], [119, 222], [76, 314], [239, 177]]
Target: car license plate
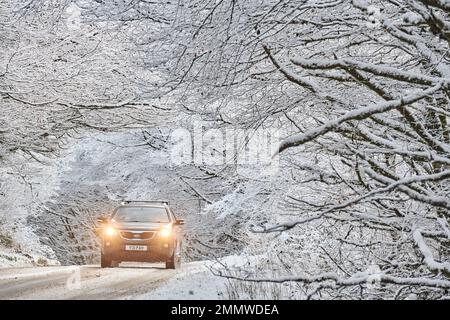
[[135, 248]]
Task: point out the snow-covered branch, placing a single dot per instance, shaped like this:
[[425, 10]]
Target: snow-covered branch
[[425, 250], [357, 114]]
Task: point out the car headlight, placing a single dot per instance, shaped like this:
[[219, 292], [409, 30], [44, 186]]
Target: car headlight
[[110, 231], [165, 232]]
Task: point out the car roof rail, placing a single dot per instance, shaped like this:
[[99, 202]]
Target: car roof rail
[[145, 201]]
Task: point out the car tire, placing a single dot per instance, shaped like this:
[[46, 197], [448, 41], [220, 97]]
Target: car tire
[[105, 262], [170, 264], [115, 264], [175, 260]]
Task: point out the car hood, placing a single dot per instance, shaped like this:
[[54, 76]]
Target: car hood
[[138, 225]]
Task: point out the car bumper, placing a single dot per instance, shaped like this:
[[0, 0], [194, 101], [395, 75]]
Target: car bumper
[[158, 250]]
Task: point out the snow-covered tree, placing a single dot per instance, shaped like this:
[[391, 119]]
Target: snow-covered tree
[[361, 88], [64, 73], [358, 90]]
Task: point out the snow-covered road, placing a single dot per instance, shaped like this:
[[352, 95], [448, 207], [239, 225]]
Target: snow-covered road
[[85, 282]]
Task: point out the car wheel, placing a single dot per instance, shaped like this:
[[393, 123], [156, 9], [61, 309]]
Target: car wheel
[[175, 260], [115, 264], [105, 262], [178, 257], [170, 264]]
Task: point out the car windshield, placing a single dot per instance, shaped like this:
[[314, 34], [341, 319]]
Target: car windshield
[[141, 214]]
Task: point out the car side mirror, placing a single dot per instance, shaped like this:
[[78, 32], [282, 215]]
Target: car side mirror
[[179, 222]]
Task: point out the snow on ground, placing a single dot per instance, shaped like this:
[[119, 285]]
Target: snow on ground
[[12, 257], [9, 258], [196, 282], [22, 189], [21, 247], [81, 282], [190, 283]]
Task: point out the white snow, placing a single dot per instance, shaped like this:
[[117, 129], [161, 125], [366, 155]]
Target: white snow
[[190, 283], [196, 281]]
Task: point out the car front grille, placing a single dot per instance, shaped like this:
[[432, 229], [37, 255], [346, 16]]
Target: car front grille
[[133, 235]]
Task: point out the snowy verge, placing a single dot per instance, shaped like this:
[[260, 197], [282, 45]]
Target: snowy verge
[[10, 257], [23, 249], [194, 281], [190, 283]]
